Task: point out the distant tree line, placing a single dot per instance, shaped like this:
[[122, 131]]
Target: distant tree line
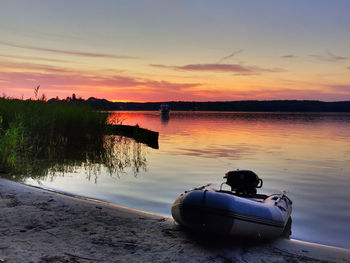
[[247, 105]]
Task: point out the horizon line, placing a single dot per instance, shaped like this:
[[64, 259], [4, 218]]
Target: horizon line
[[175, 101]]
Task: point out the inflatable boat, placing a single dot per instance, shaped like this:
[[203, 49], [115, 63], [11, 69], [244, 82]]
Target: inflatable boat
[[240, 212]]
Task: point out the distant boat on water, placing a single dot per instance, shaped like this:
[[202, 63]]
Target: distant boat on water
[[164, 108]]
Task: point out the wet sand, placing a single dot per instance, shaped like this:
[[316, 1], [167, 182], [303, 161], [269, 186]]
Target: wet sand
[[42, 226]]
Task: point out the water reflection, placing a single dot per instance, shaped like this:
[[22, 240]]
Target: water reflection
[[115, 154], [165, 117], [122, 153], [237, 151]]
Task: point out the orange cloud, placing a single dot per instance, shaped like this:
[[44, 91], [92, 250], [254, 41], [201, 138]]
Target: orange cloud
[[61, 83]]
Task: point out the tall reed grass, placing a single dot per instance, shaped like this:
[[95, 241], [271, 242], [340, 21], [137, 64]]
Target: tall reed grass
[[35, 128]]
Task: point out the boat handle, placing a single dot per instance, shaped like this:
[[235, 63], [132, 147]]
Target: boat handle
[[282, 195], [198, 188]]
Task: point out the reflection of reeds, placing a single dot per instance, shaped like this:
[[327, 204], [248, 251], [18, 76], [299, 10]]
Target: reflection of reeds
[[39, 129], [122, 153], [115, 155]]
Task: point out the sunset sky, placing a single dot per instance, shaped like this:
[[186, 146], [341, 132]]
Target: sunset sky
[[162, 50]]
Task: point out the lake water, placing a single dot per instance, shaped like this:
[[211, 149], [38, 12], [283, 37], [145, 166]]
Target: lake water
[[307, 154]]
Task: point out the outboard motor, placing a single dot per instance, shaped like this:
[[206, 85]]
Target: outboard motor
[[243, 181]]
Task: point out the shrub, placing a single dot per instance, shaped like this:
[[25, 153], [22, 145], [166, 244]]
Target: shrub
[[34, 128]]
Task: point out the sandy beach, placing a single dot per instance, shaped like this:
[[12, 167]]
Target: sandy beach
[[42, 226]]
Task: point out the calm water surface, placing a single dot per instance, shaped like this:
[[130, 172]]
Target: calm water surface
[[306, 154]]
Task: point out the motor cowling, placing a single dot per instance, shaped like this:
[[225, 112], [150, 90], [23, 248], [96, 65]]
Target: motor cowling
[[243, 181]]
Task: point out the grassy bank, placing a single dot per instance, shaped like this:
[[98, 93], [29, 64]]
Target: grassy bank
[[35, 128]]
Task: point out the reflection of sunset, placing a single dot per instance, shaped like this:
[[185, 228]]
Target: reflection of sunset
[[228, 135]]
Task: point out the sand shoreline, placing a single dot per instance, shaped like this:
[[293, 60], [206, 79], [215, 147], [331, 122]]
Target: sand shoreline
[[43, 226]]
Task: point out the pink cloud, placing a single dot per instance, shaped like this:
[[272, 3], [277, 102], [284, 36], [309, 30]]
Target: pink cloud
[[68, 52], [341, 88], [329, 57], [289, 56], [14, 66], [323, 93], [229, 56], [36, 58], [228, 68]]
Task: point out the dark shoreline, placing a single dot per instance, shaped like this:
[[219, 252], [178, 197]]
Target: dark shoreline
[[243, 106]]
